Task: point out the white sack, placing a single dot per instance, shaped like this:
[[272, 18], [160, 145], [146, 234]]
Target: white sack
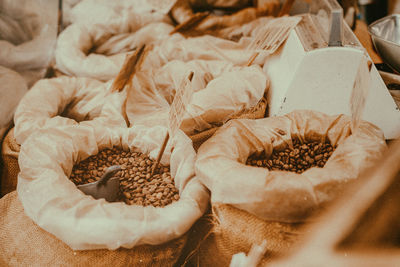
[[28, 32], [98, 51], [12, 89], [205, 47], [67, 101], [220, 91], [280, 195], [56, 205], [100, 11]]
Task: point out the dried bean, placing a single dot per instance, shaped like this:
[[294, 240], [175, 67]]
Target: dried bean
[[137, 186], [302, 157]]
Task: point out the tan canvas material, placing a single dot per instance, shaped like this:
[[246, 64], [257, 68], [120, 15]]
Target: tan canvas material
[[9, 155], [23, 243], [235, 231]]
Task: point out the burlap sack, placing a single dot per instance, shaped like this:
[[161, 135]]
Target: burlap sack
[[234, 230], [28, 32], [220, 92], [23, 243], [282, 195], [9, 155], [99, 50], [257, 112], [67, 101], [84, 223]]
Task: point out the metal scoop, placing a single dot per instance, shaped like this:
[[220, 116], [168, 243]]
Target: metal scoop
[[107, 187]]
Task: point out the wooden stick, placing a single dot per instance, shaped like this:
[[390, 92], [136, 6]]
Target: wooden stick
[[164, 145], [286, 8], [192, 22], [127, 71]]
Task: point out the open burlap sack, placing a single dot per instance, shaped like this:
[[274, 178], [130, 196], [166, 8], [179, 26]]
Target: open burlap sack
[[281, 195], [24, 243], [98, 50], [83, 223], [67, 101], [220, 92], [10, 169], [234, 230]]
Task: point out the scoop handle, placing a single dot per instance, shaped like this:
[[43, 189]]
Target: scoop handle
[[108, 174]]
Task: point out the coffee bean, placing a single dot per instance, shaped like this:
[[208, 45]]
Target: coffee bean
[[137, 186], [298, 159]]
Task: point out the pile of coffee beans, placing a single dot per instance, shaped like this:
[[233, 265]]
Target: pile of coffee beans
[[136, 184], [302, 157]]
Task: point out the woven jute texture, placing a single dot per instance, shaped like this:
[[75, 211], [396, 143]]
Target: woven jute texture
[[256, 112], [9, 154], [236, 231], [23, 243]]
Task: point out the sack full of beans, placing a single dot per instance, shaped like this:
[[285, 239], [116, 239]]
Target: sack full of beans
[[151, 210], [58, 102], [284, 168], [99, 50], [220, 91]]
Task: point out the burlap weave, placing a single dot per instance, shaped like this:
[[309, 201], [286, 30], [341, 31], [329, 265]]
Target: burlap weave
[[23, 243], [9, 154], [236, 231]]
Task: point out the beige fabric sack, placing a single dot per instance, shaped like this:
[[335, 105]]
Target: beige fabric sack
[[278, 195], [99, 11], [98, 50], [57, 206], [206, 47], [28, 32], [221, 90], [23, 243], [12, 88], [67, 101], [10, 169]]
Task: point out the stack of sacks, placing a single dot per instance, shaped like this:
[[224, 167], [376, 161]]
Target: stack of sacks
[[58, 102], [98, 50], [221, 90], [28, 31]]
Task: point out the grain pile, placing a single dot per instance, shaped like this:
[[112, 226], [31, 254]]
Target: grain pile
[[297, 159], [137, 186]]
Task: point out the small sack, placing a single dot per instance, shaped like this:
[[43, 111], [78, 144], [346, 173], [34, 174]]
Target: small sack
[[98, 50], [24, 243], [282, 195], [220, 91], [57, 206], [9, 156], [235, 231], [67, 101]]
